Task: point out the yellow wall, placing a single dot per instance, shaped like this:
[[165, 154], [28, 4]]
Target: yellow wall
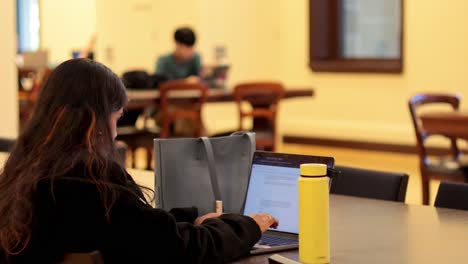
[[65, 26], [250, 34], [373, 107], [132, 33], [8, 73], [247, 30], [269, 40]]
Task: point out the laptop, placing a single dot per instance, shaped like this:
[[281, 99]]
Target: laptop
[[273, 189], [217, 76]]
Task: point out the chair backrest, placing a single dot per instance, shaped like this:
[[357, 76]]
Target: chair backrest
[[452, 195], [6, 144], [431, 98], [171, 112], [262, 96], [37, 79], [370, 184]]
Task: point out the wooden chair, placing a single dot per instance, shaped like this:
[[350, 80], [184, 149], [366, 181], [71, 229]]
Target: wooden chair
[[370, 184], [6, 144], [442, 167], [452, 195], [28, 95], [27, 79], [121, 149], [135, 138], [264, 98], [170, 112]]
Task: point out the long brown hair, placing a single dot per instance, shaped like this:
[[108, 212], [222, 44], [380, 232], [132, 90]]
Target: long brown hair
[[69, 125]]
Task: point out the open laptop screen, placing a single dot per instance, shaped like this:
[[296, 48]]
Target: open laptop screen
[[273, 186]]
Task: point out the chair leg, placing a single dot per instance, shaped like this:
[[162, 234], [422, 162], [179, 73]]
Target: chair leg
[[149, 158], [133, 150], [425, 190]]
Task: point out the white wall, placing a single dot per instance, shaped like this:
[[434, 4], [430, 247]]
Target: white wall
[[8, 74], [66, 25]]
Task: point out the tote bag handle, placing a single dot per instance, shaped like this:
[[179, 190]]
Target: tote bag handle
[[212, 167]]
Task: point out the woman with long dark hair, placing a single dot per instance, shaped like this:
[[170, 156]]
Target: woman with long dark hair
[[63, 188]]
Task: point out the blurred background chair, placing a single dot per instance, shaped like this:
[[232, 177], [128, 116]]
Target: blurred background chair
[[133, 138], [438, 166], [6, 144], [30, 82], [168, 115], [128, 131], [171, 113], [263, 98], [452, 195], [121, 148], [372, 184]]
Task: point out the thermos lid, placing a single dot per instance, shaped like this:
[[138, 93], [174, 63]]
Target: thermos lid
[[313, 169]]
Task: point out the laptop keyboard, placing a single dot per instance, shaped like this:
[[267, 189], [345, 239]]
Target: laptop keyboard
[[274, 241]]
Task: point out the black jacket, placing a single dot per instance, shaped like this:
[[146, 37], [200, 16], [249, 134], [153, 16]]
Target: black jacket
[[74, 220]]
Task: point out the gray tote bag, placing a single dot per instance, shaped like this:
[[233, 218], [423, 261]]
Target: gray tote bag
[[199, 171]]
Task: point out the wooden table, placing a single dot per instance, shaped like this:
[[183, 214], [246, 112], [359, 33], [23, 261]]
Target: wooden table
[[140, 99], [450, 124], [372, 231]]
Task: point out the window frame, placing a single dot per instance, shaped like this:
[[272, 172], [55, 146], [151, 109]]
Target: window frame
[[324, 49]]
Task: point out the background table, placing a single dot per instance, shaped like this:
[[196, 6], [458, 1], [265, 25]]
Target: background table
[[140, 99], [451, 124]]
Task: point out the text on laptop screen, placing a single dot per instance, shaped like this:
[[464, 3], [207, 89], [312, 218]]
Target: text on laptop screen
[[273, 189]]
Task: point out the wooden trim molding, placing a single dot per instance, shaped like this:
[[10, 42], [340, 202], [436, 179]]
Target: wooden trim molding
[[324, 43], [361, 145], [364, 66]]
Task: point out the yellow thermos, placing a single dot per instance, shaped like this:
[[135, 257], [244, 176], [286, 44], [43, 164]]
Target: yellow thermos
[[313, 207]]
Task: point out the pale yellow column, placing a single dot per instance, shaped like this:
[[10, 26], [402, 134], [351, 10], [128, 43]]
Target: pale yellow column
[[8, 73]]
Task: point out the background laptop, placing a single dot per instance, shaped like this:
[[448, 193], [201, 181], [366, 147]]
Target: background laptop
[[273, 189], [217, 77]]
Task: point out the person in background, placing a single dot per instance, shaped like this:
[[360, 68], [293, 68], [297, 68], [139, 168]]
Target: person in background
[[63, 188], [183, 62]]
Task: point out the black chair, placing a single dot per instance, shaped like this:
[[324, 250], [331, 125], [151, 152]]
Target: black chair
[[370, 184], [452, 195], [6, 144]]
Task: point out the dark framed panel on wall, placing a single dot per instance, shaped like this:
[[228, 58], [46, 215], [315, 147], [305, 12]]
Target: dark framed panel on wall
[[356, 36]]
